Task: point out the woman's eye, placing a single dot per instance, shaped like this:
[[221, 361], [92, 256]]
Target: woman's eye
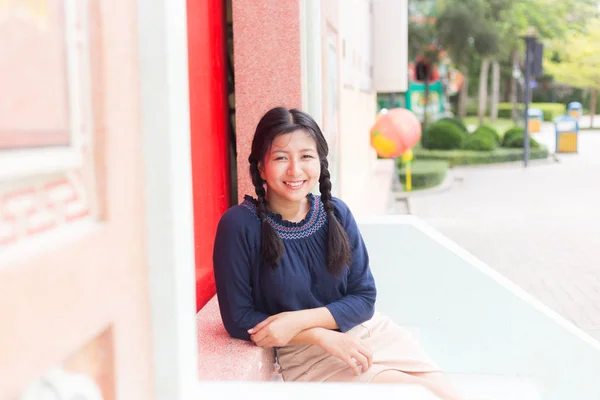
[[280, 158], [307, 156]]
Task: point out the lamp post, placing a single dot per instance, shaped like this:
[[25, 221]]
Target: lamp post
[[529, 44]]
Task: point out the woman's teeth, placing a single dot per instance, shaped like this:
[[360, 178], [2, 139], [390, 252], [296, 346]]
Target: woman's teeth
[[294, 184]]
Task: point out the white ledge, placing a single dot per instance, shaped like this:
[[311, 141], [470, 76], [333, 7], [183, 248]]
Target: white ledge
[[26, 163]]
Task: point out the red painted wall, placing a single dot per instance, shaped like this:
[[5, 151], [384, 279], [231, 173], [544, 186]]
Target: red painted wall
[[209, 131]]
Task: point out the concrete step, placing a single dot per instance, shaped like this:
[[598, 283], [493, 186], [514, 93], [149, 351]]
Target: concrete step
[[494, 387]]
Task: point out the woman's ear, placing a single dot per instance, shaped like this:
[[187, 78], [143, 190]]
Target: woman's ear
[[261, 170]]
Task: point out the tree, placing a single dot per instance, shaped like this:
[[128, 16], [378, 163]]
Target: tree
[[551, 19], [577, 62], [488, 31], [420, 35], [496, 47], [457, 25], [486, 44]]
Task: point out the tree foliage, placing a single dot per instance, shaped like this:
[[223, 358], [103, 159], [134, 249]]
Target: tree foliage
[[576, 61], [420, 36], [477, 33], [458, 24]]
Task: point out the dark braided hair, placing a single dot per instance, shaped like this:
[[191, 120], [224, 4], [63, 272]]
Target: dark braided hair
[[279, 121]]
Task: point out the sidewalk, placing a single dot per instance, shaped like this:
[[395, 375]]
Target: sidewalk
[[539, 226]]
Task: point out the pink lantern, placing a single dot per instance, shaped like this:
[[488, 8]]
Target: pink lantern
[[395, 132]]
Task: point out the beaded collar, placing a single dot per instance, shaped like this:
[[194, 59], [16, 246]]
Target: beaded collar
[[314, 220]]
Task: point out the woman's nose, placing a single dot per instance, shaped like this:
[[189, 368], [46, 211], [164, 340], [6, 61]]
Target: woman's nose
[[293, 168]]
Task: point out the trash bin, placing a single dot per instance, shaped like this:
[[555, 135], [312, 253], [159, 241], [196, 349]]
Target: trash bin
[[575, 109], [535, 116], [567, 133]]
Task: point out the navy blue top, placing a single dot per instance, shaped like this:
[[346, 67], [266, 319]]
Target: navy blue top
[[249, 292]]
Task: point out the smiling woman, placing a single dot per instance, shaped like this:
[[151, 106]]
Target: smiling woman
[[291, 168], [292, 271]]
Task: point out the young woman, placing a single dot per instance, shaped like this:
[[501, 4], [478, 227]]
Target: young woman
[[292, 271]]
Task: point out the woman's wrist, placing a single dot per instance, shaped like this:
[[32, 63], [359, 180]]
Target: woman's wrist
[[320, 335], [310, 336], [315, 318]]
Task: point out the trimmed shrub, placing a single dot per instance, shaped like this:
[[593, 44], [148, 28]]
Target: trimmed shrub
[[443, 135], [456, 121], [425, 173], [480, 142], [516, 142], [550, 110], [470, 157], [490, 131], [505, 110], [514, 138], [510, 133], [472, 109]]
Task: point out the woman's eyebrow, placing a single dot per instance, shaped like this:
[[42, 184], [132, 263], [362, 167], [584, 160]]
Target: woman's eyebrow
[[285, 151]]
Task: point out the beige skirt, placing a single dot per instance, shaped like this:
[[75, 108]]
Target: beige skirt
[[393, 348]]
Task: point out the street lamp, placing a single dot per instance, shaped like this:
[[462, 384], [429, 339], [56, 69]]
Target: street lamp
[[530, 45]]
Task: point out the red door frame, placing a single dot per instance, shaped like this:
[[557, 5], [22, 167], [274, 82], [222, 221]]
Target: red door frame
[[207, 49]]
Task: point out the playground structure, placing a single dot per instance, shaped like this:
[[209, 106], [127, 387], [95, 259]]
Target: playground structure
[[444, 82]]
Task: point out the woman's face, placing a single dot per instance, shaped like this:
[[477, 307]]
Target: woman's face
[[291, 167]]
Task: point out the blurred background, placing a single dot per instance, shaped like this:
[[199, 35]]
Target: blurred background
[[125, 128]]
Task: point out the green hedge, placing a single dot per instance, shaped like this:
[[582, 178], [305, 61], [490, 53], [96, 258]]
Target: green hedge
[[510, 135], [490, 131], [514, 138], [443, 135], [456, 121], [472, 109], [425, 173], [480, 141], [550, 110], [469, 157]]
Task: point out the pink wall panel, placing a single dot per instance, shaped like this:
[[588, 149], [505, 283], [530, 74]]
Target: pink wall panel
[[81, 302], [267, 68], [34, 49]]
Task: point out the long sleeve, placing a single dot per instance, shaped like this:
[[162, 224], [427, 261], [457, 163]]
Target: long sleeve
[[231, 262], [358, 305]]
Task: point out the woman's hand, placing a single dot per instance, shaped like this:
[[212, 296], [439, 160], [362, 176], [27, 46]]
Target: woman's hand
[[277, 330], [347, 349]]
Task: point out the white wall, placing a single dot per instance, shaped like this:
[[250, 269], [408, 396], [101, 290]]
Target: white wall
[[337, 89], [362, 184], [391, 49], [360, 187], [168, 185], [331, 87]]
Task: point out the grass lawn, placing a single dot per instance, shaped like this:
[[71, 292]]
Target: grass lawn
[[501, 124], [425, 173]]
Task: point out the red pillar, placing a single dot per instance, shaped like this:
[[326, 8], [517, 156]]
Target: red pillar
[[209, 132]]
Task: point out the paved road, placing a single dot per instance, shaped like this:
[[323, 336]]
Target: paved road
[[539, 226]]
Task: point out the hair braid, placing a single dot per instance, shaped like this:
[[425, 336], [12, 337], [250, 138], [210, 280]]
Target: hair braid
[[325, 187], [271, 244], [339, 254]]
